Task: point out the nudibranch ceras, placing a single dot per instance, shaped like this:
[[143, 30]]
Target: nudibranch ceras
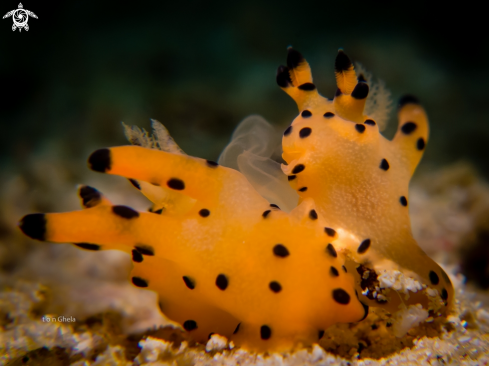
[[221, 258], [359, 182]]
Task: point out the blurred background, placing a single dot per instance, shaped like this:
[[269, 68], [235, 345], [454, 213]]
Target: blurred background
[[200, 67]]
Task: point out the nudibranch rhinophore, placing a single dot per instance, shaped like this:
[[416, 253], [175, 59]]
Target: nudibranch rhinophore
[[224, 260]]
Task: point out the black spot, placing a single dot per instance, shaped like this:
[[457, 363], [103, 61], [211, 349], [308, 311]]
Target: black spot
[[175, 183], [307, 87], [158, 211], [280, 251], [306, 114], [125, 212], [265, 214], [331, 250], [360, 91], [90, 196], [275, 286], [204, 212], [291, 177], [407, 99], [361, 77], [274, 205], [338, 92], [330, 232], [388, 324], [145, 249], [34, 226], [25, 359], [237, 328], [444, 294], [298, 168], [435, 280], [374, 327], [288, 131], [384, 165], [408, 127], [328, 115], [364, 246], [294, 58], [403, 201], [313, 215], [344, 269], [135, 183], [370, 122], [306, 131], [190, 325], [211, 163], [222, 282], [341, 296], [100, 160], [334, 272], [342, 62], [303, 189], [320, 334], [136, 256], [360, 128], [189, 282], [210, 335], [265, 332], [88, 246], [420, 144], [283, 77], [139, 282]]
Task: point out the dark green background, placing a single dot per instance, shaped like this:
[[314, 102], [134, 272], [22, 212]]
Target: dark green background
[[201, 67]]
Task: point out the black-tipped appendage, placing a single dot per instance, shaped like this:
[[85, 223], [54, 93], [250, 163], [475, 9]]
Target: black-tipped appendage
[[34, 226], [100, 160], [407, 99], [283, 77], [361, 78], [360, 91], [342, 62], [294, 58], [90, 196]]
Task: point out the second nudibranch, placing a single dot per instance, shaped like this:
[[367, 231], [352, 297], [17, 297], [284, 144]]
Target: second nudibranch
[[359, 182], [227, 262]]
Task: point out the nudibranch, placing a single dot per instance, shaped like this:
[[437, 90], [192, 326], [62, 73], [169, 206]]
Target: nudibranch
[[231, 263], [359, 181], [225, 260]]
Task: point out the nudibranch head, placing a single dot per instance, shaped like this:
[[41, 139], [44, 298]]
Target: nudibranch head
[[359, 181]]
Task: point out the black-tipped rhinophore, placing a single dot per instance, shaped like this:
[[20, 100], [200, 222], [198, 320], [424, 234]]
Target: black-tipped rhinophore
[[360, 91], [342, 62], [34, 226], [90, 196], [407, 99], [283, 77], [100, 160], [294, 58]]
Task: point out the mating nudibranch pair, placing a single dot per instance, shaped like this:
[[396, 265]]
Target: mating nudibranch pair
[[225, 260]]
